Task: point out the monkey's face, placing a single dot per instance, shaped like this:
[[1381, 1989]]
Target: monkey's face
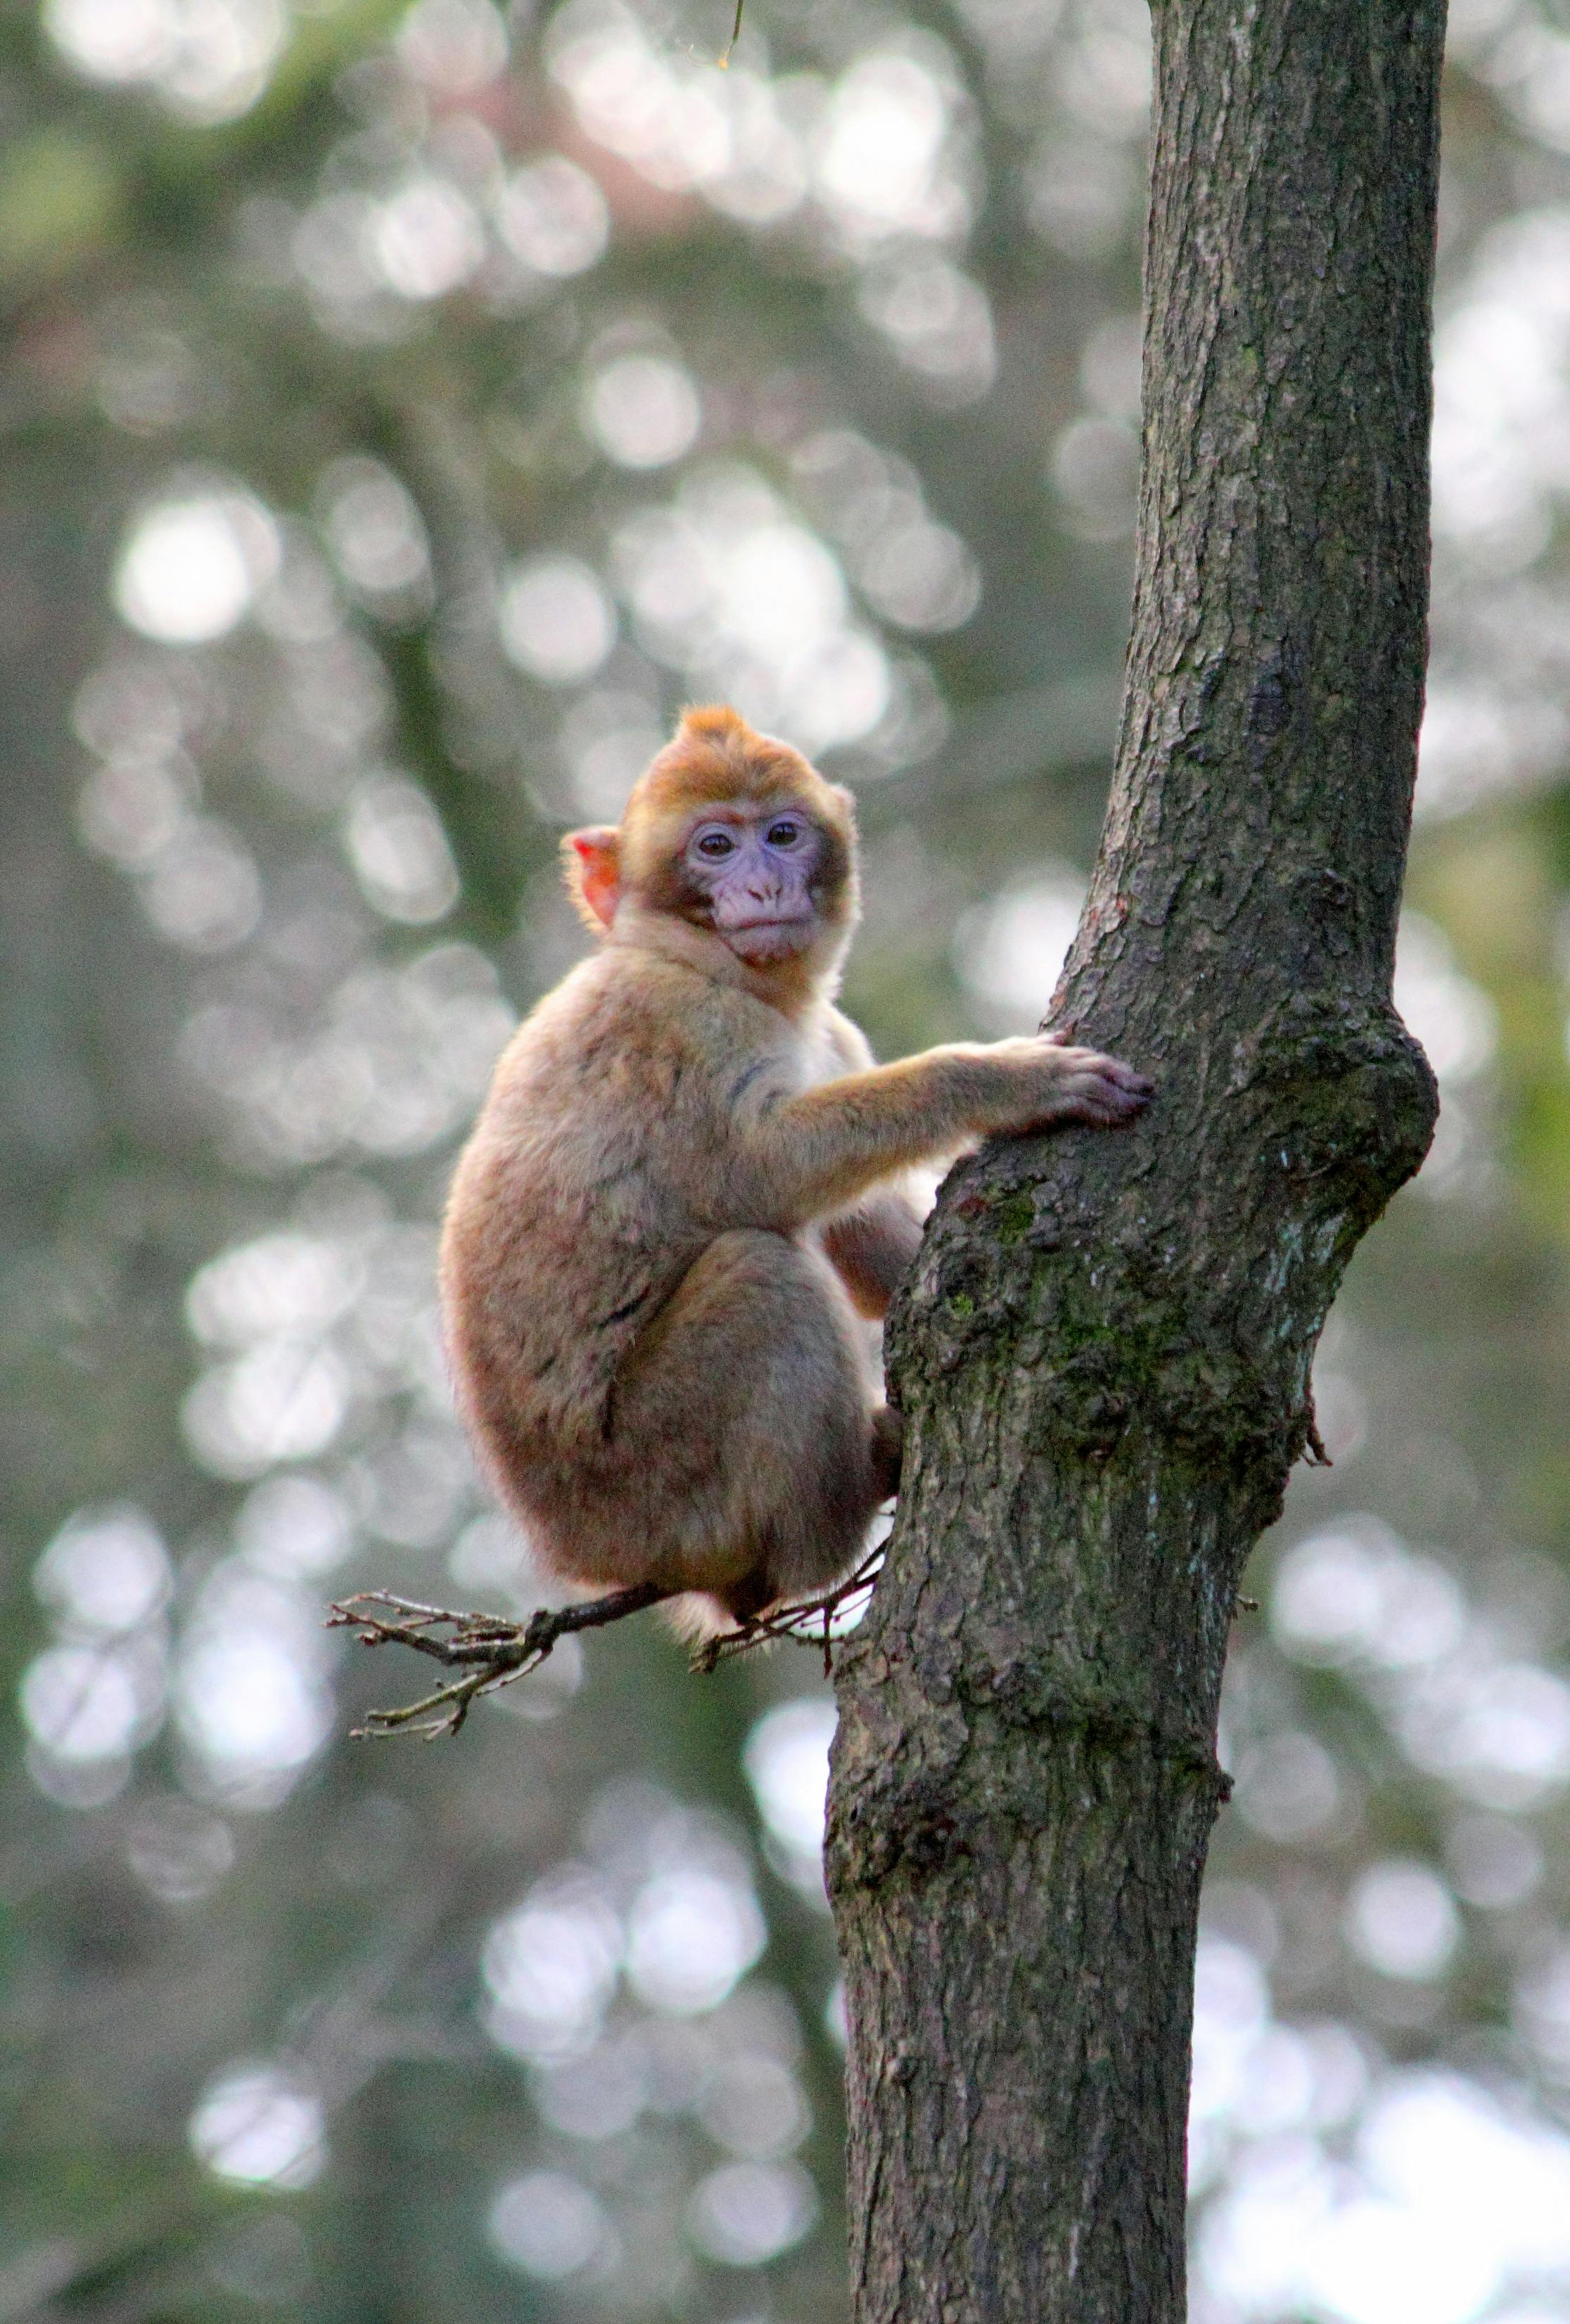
[[757, 874]]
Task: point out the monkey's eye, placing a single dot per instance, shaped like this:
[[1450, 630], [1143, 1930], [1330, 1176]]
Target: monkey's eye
[[783, 834], [716, 844]]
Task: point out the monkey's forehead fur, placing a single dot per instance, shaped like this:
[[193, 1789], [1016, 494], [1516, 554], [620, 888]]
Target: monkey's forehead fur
[[716, 755]]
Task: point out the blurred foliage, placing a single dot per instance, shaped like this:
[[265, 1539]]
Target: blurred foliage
[[406, 410]]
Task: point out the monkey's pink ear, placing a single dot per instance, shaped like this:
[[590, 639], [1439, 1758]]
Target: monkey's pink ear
[[590, 863]]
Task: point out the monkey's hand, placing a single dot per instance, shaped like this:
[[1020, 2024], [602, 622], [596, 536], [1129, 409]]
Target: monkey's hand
[[1050, 1084]]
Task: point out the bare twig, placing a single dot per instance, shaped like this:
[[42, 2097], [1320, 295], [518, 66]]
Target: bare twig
[[809, 1624], [490, 1650]]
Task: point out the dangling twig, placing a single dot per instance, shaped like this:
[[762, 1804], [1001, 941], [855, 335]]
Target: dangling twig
[[793, 1621]]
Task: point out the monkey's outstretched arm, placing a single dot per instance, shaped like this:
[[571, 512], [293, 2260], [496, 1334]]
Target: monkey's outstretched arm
[[818, 1151]]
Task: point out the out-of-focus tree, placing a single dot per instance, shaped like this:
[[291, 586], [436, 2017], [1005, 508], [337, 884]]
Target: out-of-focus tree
[[406, 409]]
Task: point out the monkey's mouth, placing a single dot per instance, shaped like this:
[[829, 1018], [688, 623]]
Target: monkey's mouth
[[788, 933]]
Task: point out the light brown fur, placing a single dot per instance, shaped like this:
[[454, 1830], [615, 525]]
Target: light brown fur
[[681, 1197]]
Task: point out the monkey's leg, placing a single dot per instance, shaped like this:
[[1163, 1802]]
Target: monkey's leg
[[753, 1450], [872, 1246]]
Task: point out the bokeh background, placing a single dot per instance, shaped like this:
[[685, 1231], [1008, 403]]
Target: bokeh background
[[405, 410]]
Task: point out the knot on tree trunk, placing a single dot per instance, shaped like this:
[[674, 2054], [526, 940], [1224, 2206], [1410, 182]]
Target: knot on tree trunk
[[980, 1788]]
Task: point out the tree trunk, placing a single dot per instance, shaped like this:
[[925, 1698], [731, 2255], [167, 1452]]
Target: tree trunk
[[1104, 1359]]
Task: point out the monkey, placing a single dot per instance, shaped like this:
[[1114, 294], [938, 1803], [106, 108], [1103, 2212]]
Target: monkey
[[682, 1204]]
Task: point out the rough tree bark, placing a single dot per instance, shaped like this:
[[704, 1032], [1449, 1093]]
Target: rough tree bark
[[1105, 1357]]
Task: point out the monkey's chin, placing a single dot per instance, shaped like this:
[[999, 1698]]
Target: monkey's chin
[[769, 940]]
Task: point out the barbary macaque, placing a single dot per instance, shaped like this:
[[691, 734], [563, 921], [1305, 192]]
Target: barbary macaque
[[684, 1191]]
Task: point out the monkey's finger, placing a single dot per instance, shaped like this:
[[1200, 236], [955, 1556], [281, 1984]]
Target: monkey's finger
[[1079, 1064], [1092, 1061], [1097, 1097], [1128, 1077]]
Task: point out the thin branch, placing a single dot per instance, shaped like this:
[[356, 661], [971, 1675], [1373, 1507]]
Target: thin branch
[[723, 62], [490, 1650]]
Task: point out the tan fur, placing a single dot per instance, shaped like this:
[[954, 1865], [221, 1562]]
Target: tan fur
[[679, 1200]]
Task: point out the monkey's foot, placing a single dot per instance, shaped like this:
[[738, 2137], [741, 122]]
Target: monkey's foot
[[810, 1623], [490, 1651]]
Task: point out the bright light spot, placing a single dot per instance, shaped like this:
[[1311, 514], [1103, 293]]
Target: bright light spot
[[597, 2095], [1487, 735], [548, 2224], [427, 238], [1514, 1721], [642, 410], [1493, 1863], [399, 850], [285, 1282], [1542, 2005], [745, 2214], [1095, 471], [1287, 1787], [192, 565], [1442, 2151], [921, 576], [739, 140], [261, 2126], [131, 809], [112, 40], [1502, 379], [456, 46], [1103, 75], [202, 890], [670, 122], [1451, 2201], [551, 1967], [251, 1701], [283, 1400], [881, 166], [209, 59], [1110, 366], [756, 2106], [1358, 1592], [373, 529], [786, 1763], [178, 1851], [1454, 1019], [80, 1702], [107, 1570], [690, 1935], [1009, 953], [607, 739], [752, 608], [556, 622], [938, 321], [1400, 1917], [552, 216], [295, 1527], [397, 1057], [1080, 195], [781, 582]]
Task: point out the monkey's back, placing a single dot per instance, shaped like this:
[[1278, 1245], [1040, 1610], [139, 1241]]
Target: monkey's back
[[603, 1164]]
